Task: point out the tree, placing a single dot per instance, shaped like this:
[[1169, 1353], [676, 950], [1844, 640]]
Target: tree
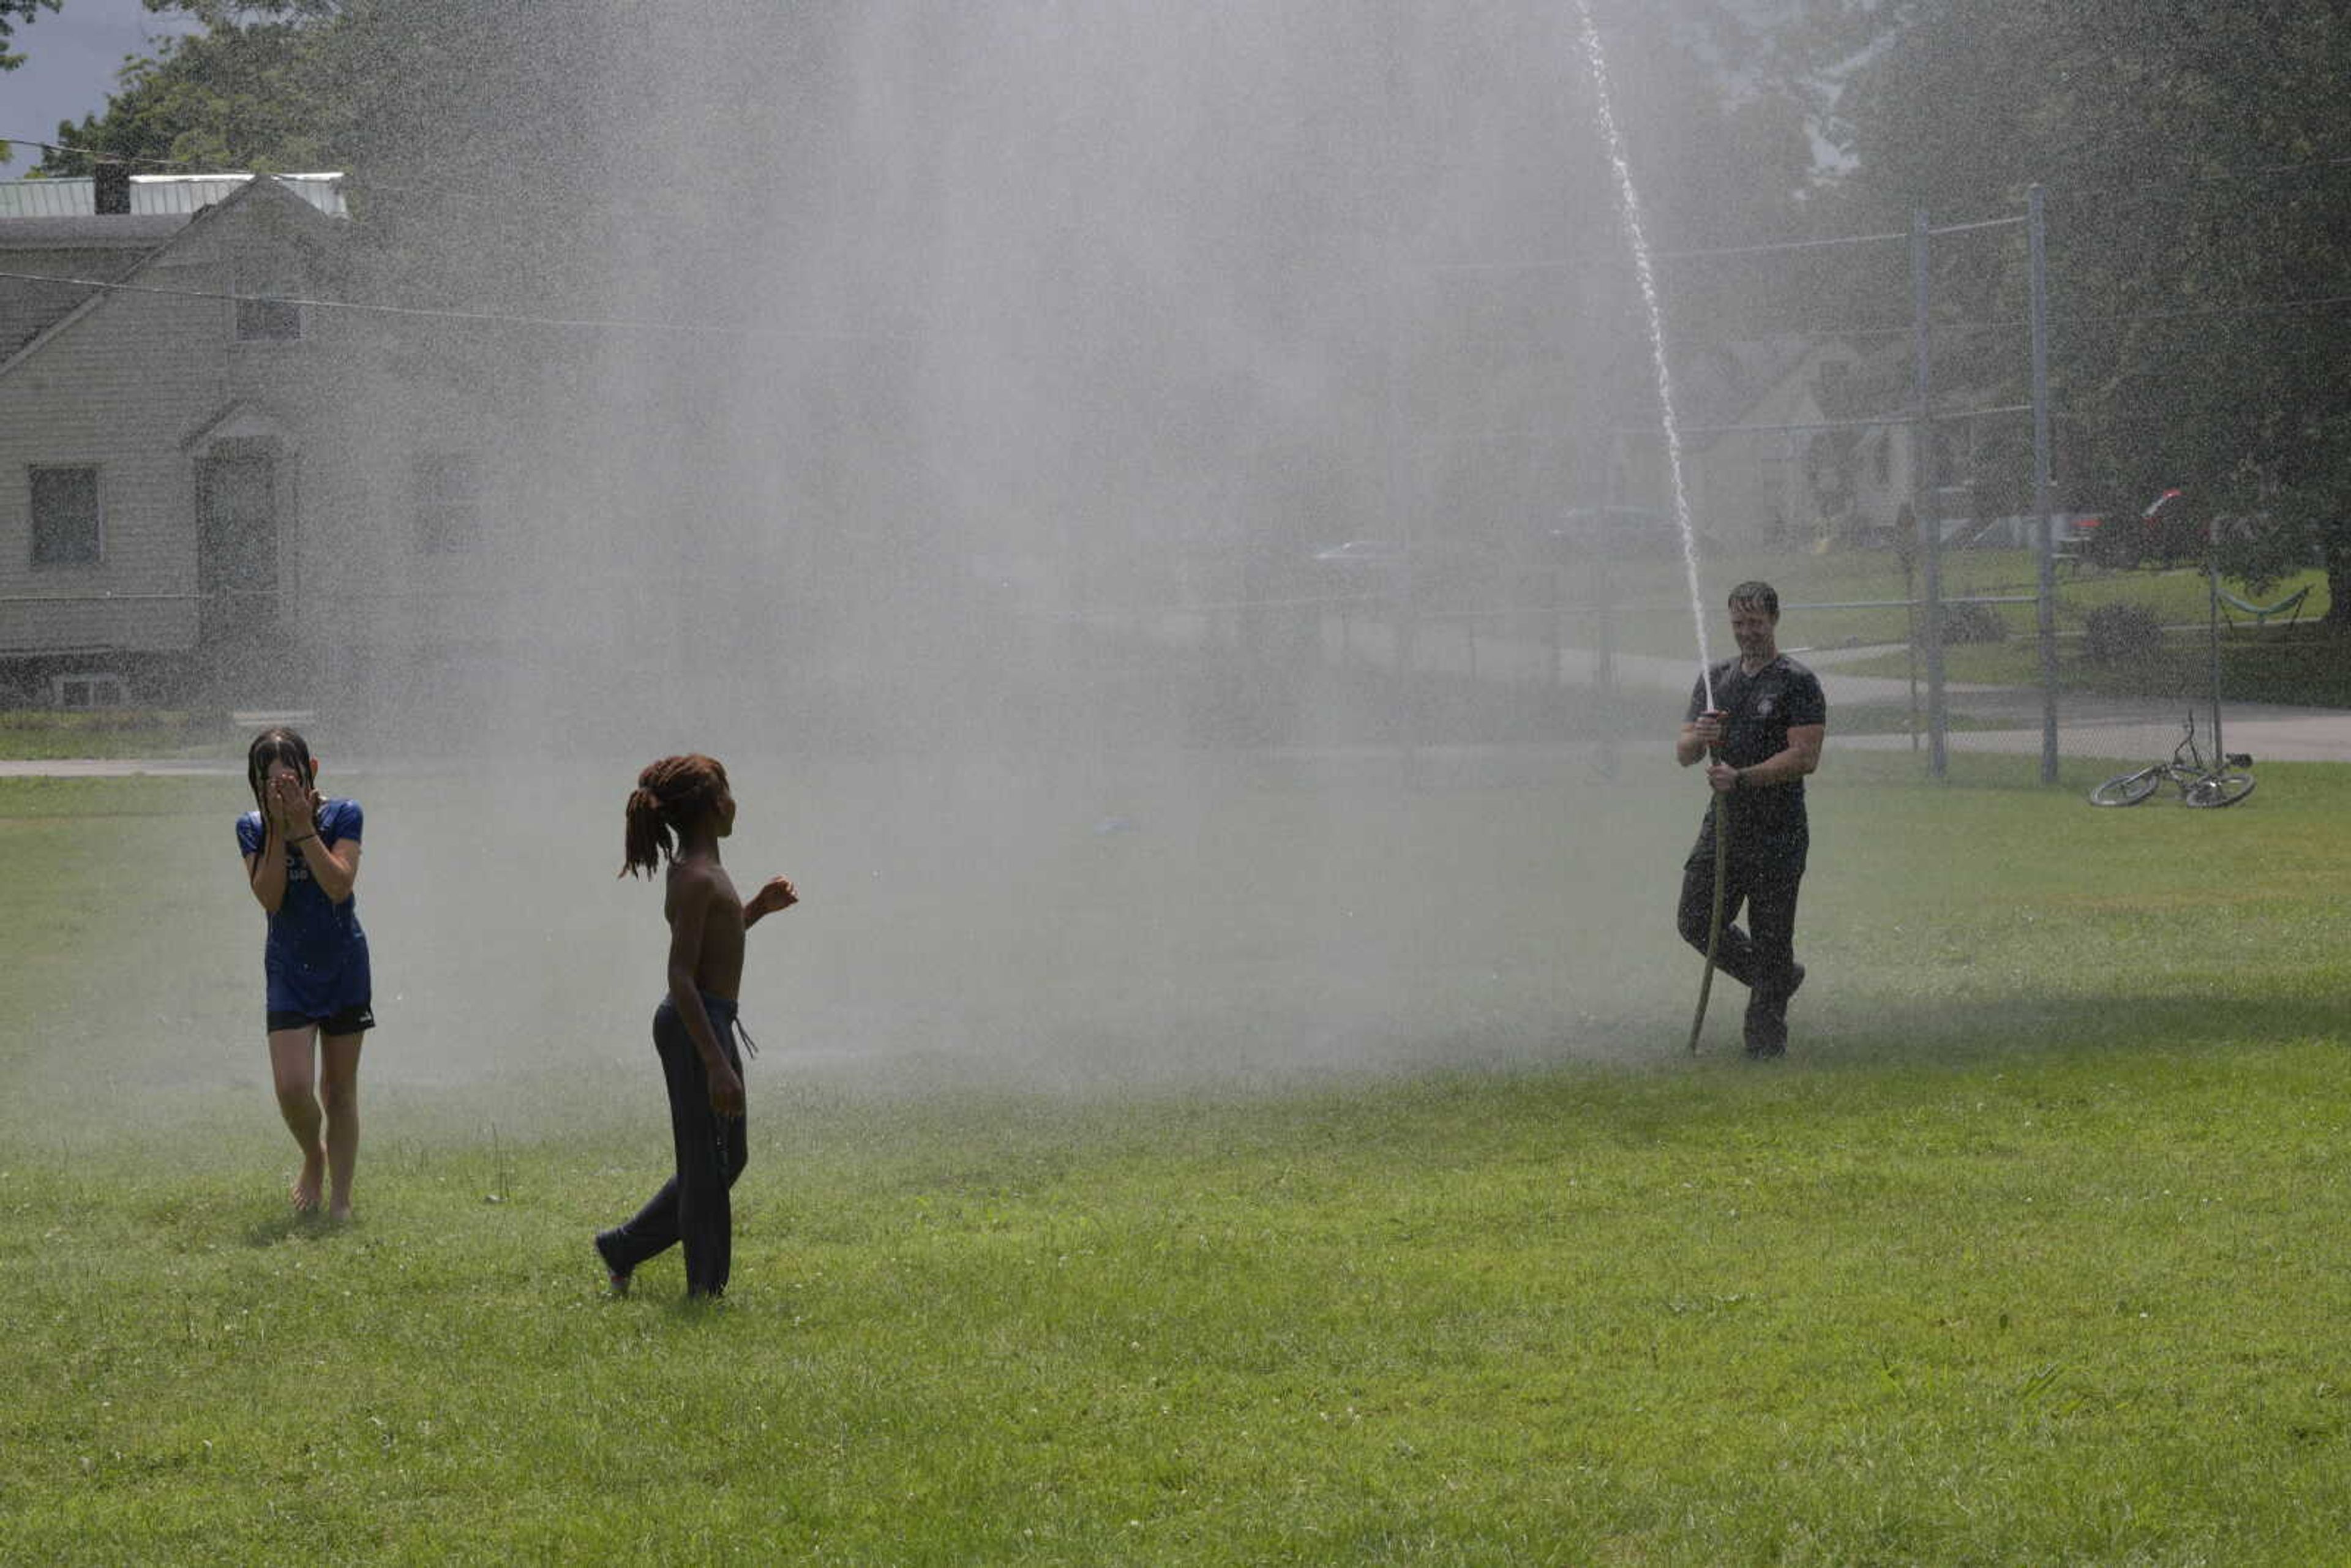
[[2198, 160], [261, 87], [13, 11]]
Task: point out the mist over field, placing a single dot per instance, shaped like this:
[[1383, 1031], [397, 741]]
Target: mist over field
[[935, 413], [989, 379], [1255, 924], [1013, 364]]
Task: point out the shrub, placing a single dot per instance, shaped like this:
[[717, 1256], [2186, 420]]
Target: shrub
[[2121, 634], [2116, 542], [1973, 623]]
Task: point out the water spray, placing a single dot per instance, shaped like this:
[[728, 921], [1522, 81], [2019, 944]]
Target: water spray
[[1628, 202]]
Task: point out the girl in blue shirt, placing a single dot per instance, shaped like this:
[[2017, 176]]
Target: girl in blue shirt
[[302, 858]]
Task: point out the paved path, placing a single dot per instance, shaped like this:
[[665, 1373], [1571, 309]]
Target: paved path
[[2004, 719], [116, 768], [2132, 729]]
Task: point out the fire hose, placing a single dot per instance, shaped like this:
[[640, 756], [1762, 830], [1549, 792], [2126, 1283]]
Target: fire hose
[[1714, 921]]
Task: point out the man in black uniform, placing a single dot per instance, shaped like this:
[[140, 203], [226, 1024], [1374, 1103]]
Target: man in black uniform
[[1763, 734]]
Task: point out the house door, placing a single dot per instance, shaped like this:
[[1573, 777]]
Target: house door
[[236, 544]]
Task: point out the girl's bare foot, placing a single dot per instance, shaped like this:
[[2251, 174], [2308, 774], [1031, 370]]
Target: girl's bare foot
[[340, 1212], [305, 1194]]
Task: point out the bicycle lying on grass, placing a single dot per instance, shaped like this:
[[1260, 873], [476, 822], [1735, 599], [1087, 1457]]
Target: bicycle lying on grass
[[2199, 784]]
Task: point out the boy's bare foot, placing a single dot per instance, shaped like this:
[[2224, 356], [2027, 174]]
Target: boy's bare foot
[[305, 1194], [340, 1212]]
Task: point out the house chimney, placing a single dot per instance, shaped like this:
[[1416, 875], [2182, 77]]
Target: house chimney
[[113, 188]]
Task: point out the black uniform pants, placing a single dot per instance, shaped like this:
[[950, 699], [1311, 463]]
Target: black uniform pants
[[694, 1206], [1766, 868]]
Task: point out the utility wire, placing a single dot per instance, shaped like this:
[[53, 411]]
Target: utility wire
[[97, 156], [2183, 184], [503, 317], [2178, 185], [2260, 307]]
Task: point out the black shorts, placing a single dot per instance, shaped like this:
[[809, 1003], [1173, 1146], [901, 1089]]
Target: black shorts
[[350, 1020]]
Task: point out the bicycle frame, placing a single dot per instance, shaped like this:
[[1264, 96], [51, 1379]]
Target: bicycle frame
[[2200, 783]]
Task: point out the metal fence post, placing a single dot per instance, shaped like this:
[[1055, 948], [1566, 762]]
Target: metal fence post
[[2044, 547], [1922, 490]]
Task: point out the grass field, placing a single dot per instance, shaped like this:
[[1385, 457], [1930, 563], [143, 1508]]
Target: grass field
[[1307, 1170], [2306, 664], [105, 732]]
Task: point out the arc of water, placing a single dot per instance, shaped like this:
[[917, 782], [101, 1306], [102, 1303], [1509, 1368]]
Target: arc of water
[[1628, 203]]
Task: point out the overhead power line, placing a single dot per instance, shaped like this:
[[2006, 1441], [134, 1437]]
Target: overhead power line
[[609, 323], [641, 324], [97, 156]]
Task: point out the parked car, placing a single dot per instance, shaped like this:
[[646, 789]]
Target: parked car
[[1363, 552], [1630, 533], [2165, 533], [1436, 568]]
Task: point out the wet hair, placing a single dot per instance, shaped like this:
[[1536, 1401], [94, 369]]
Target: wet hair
[[671, 796], [270, 747], [1756, 594]]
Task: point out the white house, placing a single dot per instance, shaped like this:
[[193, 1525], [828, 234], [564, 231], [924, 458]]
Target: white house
[[153, 434], [210, 477], [1800, 442]]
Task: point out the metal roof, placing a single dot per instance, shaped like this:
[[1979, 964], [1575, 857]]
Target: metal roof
[[159, 195]]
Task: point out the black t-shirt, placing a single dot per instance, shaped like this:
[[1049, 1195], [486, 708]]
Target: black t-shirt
[[1762, 708]]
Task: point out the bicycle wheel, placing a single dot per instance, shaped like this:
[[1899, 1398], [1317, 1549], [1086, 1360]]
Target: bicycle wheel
[[2127, 788], [2217, 790]]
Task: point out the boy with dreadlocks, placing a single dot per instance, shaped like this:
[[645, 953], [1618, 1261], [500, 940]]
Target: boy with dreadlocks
[[681, 807], [301, 861]]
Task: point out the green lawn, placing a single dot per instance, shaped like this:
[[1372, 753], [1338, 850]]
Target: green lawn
[[2304, 664], [130, 732], [1307, 1170], [2307, 664]]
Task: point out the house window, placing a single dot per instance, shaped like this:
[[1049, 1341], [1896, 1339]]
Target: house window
[[263, 313], [101, 689], [64, 517], [448, 492]]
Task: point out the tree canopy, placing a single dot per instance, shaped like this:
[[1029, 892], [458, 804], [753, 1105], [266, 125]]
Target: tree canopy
[[2196, 160], [261, 87], [2198, 164], [12, 13]]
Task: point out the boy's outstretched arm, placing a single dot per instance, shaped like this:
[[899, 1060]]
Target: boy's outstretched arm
[[776, 893]]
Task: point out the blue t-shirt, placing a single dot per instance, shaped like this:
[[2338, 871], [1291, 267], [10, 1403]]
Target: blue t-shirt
[[317, 955]]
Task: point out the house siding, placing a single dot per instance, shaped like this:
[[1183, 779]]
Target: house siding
[[123, 387], [98, 393]]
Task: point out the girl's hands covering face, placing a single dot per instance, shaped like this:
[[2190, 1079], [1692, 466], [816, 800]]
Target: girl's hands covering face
[[291, 801]]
